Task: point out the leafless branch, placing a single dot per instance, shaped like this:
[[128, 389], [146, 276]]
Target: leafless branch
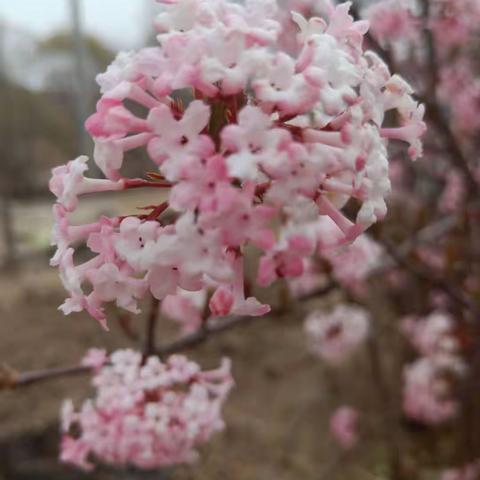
[[10, 379]]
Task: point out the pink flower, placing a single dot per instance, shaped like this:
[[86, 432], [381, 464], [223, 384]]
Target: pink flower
[[110, 283], [175, 137], [186, 308], [343, 426], [221, 302], [68, 182], [146, 415], [335, 336], [95, 358]]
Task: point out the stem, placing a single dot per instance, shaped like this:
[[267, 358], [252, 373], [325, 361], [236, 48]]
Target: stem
[[152, 320], [10, 260], [28, 378], [140, 183]]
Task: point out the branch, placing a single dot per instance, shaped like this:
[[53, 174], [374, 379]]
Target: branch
[[149, 346], [10, 379]]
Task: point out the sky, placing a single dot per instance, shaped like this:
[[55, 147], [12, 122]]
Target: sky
[[119, 23]]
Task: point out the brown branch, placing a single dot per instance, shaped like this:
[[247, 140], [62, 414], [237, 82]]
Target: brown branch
[[17, 380], [149, 345], [10, 379]]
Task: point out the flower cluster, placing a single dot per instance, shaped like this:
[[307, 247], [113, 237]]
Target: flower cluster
[[254, 144], [335, 336], [428, 394], [145, 415]]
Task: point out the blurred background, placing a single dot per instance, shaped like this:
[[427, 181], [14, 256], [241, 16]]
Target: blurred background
[[50, 52]]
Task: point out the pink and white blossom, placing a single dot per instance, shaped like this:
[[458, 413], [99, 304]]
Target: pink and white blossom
[[244, 135], [146, 415]]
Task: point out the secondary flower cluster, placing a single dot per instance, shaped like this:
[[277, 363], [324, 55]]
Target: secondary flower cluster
[[428, 393], [254, 145], [335, 336], [145, 415]]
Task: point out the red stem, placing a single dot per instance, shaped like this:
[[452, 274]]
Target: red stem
[[140, 183]]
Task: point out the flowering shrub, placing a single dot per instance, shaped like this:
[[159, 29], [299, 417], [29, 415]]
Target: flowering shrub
[[270, 129], [145, 415]]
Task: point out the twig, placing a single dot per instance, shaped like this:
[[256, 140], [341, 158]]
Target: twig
[[28, 378]]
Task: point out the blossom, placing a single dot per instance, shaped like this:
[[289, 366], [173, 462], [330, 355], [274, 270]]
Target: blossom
[[252, 145], [343, 426], [186, 308], [68, 182], [336, 335], [146, 415], [95, 358]]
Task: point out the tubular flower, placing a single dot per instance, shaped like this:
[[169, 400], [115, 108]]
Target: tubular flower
[[145, 415], [244, 136]]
